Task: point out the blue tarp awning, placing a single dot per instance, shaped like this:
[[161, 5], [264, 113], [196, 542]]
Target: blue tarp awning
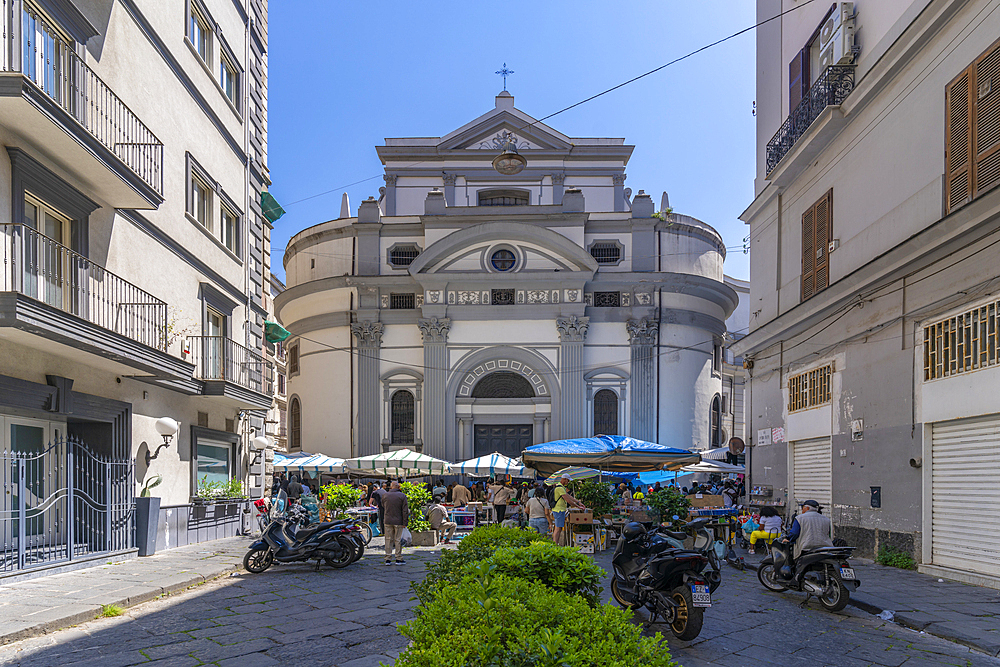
[[616, 453]]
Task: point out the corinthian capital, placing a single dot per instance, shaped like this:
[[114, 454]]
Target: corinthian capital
[[618, 179], [434, 330], [642, 331], [558, 179], [368, 333], [572, 329], [390, 179], [449, 179]]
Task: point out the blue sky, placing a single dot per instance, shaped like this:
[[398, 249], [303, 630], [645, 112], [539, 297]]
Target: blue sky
[[357, 72]]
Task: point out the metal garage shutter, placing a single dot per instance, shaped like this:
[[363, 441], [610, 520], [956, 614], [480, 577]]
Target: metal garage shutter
[[965, 495], [812, 477]]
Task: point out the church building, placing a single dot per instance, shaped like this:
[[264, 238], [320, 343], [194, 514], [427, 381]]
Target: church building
[[505, 289]]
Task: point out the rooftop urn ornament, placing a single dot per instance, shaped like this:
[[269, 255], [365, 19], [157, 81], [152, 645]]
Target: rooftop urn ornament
[[509, 162]]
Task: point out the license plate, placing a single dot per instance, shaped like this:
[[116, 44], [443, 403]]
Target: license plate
[[700, 595], [847, 573]]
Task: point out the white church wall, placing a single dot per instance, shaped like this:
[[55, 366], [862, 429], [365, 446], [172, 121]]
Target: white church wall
[[323, 386], [688, 254]]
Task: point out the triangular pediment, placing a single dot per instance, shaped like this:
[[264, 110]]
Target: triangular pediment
[[483, 133]]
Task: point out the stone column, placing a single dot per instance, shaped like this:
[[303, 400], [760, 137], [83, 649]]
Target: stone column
[[573, 405], [538, 431], [435, 334], [466, 446], [369, 335], [449, 189], [618, 180], [642, 334], [557, 188], [390, 194]]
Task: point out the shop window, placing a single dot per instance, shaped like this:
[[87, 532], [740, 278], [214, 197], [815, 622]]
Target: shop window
[[214, 461]]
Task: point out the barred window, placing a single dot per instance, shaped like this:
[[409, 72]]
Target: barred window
[[605, 412], [402, 301], [403, 254], [606, 252], [809, 389], [962, 343], [402, 418], [503, 198], [607, 299], [502, 297]]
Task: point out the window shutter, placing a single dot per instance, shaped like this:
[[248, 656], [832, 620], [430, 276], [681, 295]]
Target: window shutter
[[823, 221], [808, 253], [986, 120], [798, 78], [958, 140]]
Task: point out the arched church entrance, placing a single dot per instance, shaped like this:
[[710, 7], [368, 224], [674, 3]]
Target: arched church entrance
[[498, 389]]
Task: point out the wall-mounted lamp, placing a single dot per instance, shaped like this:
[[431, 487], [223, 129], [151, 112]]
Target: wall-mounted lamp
[[167, 428], [258, 445]]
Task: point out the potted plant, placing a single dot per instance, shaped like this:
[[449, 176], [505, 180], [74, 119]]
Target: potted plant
[[147, 517], [338, 497], [417, 497], [208, 491]]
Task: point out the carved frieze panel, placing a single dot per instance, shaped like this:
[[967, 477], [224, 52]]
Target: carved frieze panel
[[643, 298], [435, 296], [466, 298], [538, 296], [385, 301]]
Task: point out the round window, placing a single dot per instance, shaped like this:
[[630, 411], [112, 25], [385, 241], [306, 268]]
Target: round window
[[503, 260]]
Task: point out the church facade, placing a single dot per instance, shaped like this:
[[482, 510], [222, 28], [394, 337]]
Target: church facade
[[467, 311]]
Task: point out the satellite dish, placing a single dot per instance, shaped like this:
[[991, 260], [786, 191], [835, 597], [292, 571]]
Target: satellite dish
[[736, 445]]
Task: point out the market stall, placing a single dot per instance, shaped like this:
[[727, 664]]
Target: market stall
[[491, 465], [615, 453], [398, 463]]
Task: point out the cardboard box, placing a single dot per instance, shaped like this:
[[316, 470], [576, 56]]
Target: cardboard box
[[584, 542], [699, 501], [580, 517]]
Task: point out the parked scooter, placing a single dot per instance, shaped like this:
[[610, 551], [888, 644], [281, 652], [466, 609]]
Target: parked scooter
[[651, 571], [823, 572]]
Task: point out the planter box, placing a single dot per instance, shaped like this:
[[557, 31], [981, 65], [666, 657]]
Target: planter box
[[147, 523], [424, 538]]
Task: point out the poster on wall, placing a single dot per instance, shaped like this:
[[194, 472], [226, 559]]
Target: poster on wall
[[778, 434]]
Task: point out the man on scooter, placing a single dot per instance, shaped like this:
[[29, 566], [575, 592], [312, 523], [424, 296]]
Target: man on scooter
[[809, 530]]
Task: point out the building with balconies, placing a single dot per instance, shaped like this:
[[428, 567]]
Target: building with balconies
[[133, 262], [874, 295]]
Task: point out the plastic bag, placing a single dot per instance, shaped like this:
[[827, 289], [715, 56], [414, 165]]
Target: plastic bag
[[406, 538]]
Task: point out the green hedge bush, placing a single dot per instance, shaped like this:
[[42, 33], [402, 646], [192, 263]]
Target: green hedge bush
[[560, 568], [490, 620]]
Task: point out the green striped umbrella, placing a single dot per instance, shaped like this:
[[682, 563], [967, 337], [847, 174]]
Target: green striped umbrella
[[574, 473], [403, 459]]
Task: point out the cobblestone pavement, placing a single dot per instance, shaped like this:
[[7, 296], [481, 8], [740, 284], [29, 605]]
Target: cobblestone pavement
[[748, 625], [295, 615]]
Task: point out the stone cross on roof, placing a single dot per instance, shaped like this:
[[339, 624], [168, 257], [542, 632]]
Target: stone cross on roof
[[504, 72]]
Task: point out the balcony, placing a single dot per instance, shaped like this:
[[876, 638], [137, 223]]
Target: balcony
[[831, 89], [48, 292], [53, 103], [229, 370]]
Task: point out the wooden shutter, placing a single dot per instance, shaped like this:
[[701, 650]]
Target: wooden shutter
[[984, 90], [808, 253], [824, 224], [798, 78], [958, 141]]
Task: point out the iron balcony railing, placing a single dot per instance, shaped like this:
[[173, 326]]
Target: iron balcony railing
[[832, 88], [219, 358], [39, 267], [39, 52]]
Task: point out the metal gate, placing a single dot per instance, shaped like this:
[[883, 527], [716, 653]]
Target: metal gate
[[812, 469], [63, 503], [965, 497]]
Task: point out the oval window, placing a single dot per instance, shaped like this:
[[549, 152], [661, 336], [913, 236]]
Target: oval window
[[503, 260]]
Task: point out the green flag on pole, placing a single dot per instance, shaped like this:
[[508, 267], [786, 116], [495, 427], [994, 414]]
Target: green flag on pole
[[274, 332], [270, 207]]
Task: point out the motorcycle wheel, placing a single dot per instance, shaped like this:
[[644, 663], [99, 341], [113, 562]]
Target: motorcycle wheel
[[257, 560], [688, 619], [619, 598], [360, 551], [836, 596], [766, 575], [345, 558], [366, 531]]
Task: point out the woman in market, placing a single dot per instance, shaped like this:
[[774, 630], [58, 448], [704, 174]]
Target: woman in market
[[539, 514], [770, 527]]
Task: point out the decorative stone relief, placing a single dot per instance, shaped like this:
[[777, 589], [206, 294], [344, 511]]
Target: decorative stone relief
[[434, 296], [520, 296], [558, 179], [588, 298], [572, 295], [555, 296], [451, 297], [498, 142], [390, 179], [538, 296], [419, 300], [618, 179], [485, 299], [449, 179], [509, 365], [643, 298], [368, 333], [626, 299], [642, 331], [466, 298], [385, 300], [572, 329], [434, 330]]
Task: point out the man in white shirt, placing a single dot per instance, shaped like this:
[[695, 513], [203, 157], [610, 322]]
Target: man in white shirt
[[438, 517]]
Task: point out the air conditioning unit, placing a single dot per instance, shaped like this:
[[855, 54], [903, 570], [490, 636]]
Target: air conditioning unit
[[836, 36]]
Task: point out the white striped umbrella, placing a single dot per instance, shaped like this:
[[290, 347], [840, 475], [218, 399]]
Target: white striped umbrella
[[492, 464], [305, 462], [402, 459]]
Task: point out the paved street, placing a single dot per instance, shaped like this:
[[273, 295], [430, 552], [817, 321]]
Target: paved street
[[295, 615]]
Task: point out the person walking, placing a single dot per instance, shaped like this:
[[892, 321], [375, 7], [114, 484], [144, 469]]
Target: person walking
[[397, 515], [563, 501], [502, 493], [437, 515], [460, 495], [378, 495], [294, 490], [539, 514]]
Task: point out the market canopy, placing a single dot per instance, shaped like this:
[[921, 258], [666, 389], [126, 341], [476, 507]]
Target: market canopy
[[714, 467], [305, 462], [492, 464], [405, 460], [616, 453]]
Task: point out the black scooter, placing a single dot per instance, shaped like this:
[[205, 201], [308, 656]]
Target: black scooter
[[824, 573], [651, 571]]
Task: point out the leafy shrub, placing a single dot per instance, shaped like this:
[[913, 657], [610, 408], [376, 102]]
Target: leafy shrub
[[669, 502], [892, 557], [487, 539], [416, 498], [496, 620], [560, 568], [595, 495], [339, 497]]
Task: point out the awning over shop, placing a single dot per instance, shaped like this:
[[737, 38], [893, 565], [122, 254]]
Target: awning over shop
[[714, 467], [608, 452]]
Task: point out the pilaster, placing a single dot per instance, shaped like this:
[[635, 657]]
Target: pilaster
[[435, 334], [390, 194], [449, 189], [618, 180], [369, 337], [573, 406], [642, 334], [557, 188]]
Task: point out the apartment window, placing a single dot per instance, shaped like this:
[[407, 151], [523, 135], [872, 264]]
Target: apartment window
[[201, 202], [963, 343], [402, 301], [717, 358], [214, 461], [817, 230], [809, 389], [605, 412], [293, 360], [200, 34], [606, 252], [972, 130], [716, 419], [47, 55], [295, 428], [503, 198], [227, 228], [403, 412], [228, 78], [402, 255], [281, 384], [607, 299]]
